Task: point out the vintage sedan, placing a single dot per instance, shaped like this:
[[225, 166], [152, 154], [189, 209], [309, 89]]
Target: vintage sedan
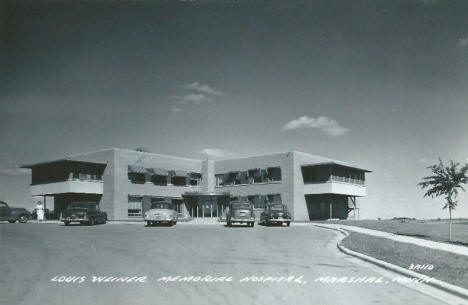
[[161, 212], [275, 214], [83, 212], [240, 212], [13, 214]]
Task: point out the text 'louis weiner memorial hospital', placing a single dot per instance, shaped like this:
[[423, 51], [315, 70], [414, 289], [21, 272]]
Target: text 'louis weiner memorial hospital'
[[126, 182]]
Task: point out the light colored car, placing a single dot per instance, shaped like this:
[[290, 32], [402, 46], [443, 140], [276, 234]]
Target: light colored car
[[161, 212]]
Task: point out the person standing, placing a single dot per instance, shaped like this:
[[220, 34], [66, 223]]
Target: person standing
[[40, 212]]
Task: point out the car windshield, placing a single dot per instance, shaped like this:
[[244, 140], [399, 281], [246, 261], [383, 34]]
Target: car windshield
[[161, 205], [83, 205], [241, 205], [277, 207]]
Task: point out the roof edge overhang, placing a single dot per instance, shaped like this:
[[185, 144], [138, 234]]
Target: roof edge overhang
[[62, 160], [338, 164]]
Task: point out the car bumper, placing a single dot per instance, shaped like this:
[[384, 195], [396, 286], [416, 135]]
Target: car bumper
[[153, 219], [72, 219], [277, 220], [242, 220]]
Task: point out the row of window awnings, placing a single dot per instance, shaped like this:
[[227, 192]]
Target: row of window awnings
[[135, 169], [250, 173]]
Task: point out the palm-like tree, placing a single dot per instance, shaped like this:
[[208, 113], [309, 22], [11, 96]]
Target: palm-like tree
[[445, 181]]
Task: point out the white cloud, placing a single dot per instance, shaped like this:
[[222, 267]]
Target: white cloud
[[216, 152], [424, 160], [14, 171], [197, 86], [463, 42], [194, 98], [176, 109], [323, 123]]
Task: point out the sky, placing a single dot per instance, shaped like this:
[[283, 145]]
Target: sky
[[379, 84]]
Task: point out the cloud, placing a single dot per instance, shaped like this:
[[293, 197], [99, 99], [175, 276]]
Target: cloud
[[323, 123], [194, 98], [216, 152], [14, 171], [196, 94], [424, 160], [197, 86], [463, 42], [429, 1]]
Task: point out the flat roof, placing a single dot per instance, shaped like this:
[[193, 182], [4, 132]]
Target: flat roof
[[76, 158], [339, 164], [66, 160]]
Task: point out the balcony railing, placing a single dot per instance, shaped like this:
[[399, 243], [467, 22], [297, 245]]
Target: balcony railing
[[334, 178], [64, 180]]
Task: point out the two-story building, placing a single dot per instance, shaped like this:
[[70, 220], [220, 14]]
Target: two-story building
[[126, 182]]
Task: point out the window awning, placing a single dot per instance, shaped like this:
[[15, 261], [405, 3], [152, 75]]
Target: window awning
[[137, 169], [179, 173], [195, 175], [158, 172]]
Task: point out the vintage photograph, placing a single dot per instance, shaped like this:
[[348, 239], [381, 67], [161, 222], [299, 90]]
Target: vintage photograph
[[194, 152]]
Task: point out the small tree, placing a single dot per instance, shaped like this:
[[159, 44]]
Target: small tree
[[445, 181]]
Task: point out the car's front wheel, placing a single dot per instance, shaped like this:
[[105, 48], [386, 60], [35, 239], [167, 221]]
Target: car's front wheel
[[252, 224], [23, 219], [288, 223], [148, 223], [229, 223], [67, 223], [12, 221]]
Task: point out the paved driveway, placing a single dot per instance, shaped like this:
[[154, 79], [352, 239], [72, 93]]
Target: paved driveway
[[33, 254]]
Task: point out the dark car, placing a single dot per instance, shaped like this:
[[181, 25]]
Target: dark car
[[275, 214], [13, 214], [83, 212], [240, 212]]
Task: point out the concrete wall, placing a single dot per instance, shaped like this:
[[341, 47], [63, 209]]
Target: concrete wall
[[72, 186], [208, 176]]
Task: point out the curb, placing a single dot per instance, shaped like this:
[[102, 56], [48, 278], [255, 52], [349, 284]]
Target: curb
[[458, 291]]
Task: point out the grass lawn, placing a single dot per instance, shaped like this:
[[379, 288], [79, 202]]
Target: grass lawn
[[436, 230], [448, 267]]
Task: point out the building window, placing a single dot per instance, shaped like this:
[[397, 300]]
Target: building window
[[274, 174], [137, 178], [195, 179], [178, 181], [219, 180], [178, 205], [256, 175], [134, 206], [274, 198], [159, 180]]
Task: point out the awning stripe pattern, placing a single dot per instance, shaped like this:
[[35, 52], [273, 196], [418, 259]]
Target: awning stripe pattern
[[137, 169]]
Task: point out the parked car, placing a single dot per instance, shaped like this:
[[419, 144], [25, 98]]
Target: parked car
[[276, 213], [83, 212], [161, 212], [240, 212], [13, 214]]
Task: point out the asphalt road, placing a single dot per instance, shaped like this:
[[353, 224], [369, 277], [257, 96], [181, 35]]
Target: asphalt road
[[31, 255]]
